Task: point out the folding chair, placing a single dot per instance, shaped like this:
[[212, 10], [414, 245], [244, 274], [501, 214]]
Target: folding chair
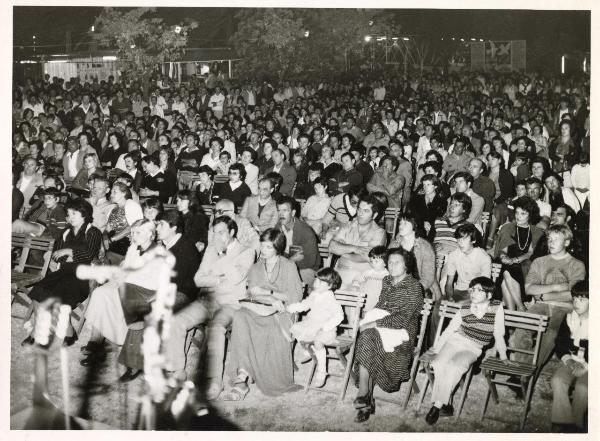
[[447, 311], [526, 371], [184, 178], [25, 272], [170, 207], [391, 221], [352, 303], [325, 255], [221, 179]]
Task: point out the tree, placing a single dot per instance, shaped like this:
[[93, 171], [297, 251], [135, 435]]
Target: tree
[[143, 41], [268, 40]]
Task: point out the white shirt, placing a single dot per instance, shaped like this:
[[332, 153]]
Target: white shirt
[[216, 102], [25, 181], [252, 178], [545, 209], [168, 245], [72, 163]]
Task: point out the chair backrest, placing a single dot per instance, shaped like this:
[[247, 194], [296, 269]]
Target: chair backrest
[[220, 179], [325, 255], [170, 207], [447, 312], [425, 313], [440, 260], [352, 302], [484, 223], [536, 323], [391, 221], [28, 243], [209, 210]]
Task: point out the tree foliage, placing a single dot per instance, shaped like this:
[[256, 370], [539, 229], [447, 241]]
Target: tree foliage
[[292, 43], [142, 41]]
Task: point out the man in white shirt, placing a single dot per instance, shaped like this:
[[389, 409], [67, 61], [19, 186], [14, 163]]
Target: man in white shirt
[[463, 182], [102, 207], [223, 275], [216, 102], [390, 124], [534, 191]]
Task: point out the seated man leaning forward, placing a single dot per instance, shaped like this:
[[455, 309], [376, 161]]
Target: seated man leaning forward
[[354, 241], [222, 275]]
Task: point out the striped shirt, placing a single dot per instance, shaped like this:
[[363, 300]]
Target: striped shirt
[[478, 330]]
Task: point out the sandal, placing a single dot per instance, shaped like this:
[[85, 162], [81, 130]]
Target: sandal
[[237, 393], [319, 379]]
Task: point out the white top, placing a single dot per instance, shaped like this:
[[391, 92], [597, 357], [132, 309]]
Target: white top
[[72, 163], [133, 211], [252, 178]]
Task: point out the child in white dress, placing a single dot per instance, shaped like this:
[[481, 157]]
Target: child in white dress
[[319, 327], [370, 282]]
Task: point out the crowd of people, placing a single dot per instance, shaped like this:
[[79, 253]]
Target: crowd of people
[[483, 169]]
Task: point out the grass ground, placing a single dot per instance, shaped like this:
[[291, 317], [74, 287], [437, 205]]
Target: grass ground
[[115, 405]]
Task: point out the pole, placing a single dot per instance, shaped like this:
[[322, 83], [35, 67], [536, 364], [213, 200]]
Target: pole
[[229, 68]]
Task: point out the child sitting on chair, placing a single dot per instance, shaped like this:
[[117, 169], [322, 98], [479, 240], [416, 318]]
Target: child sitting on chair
[[371, 281], [319, 327], [572, 350], [462, 342]]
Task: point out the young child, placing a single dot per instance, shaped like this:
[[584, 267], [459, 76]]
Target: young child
[[572, 350], [371, 281], [461, 344], [319, 327]]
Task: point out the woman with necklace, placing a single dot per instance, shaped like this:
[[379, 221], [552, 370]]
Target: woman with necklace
[[513, 248], [260, 344]]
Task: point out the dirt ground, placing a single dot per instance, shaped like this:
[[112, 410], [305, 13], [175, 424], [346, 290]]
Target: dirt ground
[[115, 404]]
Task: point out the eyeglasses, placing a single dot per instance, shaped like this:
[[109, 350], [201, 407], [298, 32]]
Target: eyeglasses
[[476, 288], [221, 211]]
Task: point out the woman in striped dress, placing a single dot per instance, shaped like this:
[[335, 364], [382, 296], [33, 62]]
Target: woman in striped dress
[[462, 342], [401, 300]]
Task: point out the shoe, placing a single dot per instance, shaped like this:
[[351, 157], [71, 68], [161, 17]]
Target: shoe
[[433, 415], [365, 413], [94, 358], [93, 346], [447, 410], [29, 341], [129, 375], [319, 379], [214, 390], [69, 341]]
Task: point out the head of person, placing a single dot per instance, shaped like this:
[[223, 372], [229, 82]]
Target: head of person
[[225, 231], [278, 157], [143, 232], [320, 184], [168, 224], [327, 279], [476, 167], [51, 198], [389, 165], [79, 212], [463, 181], [287, 210], [368, 209], [272, 243], [348, 161], [237, 173], [534, 188], [187, 201], [481, 289], [90, 161], [467, 237], [554, 182], [276, 180], [151, 164], [401, 262], [580, 292], [30, 166], [378, 257], [151, 208], [563, 214], [459, 146], [120, 193], [459, 206], [100, 187], [559, 238], [225, 207], [527, 211]]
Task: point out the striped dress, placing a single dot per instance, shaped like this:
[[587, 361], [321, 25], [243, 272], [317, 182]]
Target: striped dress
[[404, 302]]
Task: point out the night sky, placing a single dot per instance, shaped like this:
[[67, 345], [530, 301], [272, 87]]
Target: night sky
[[546, 32]]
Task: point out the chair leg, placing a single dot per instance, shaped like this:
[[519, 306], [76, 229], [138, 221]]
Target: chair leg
[[466, 382], [411, 382], [528, 397], [424, 390], [347, 372], [488, 378], [313, 368]]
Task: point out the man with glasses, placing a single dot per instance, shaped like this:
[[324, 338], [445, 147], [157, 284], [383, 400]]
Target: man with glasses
[[246, 235], [261, 210]]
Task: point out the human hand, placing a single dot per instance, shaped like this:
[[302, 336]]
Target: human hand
[[53, 266], [278, 305], [427, 226]]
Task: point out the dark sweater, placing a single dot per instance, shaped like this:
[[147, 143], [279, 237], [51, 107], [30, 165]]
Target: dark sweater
[[187, 261]]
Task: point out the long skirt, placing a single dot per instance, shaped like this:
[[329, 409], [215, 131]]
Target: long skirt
[[259, 347]]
